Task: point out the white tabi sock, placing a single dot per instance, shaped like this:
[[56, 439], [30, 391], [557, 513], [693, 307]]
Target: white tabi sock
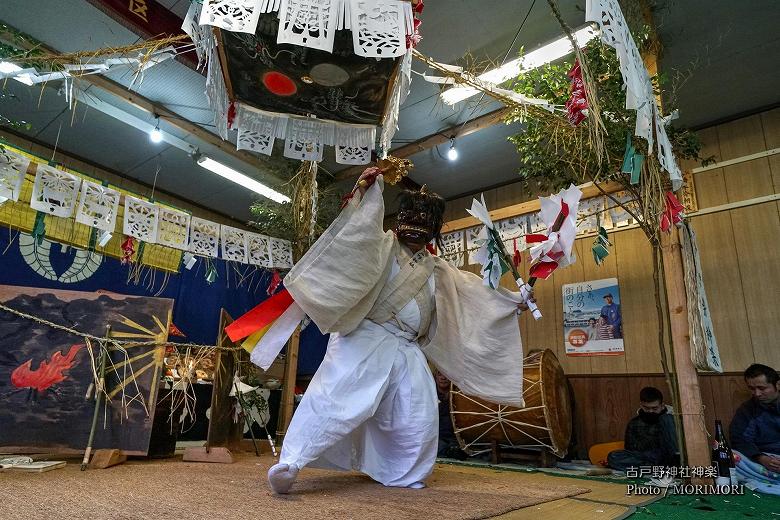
[[281, 477]]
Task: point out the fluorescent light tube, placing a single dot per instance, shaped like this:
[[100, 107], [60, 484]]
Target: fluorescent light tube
[[239, 178], [534, 59]]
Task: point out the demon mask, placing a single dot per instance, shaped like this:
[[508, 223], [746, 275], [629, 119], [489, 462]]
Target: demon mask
[[420, 216]]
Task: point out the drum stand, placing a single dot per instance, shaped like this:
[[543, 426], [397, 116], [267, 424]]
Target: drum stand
[[543, 457]]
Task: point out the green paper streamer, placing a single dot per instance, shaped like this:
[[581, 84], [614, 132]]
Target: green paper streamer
[[637, 167], [39, 228], [600, 246], [211, 272]]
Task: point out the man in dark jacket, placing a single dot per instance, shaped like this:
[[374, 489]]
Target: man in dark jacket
[[755, 429], [651, 438]]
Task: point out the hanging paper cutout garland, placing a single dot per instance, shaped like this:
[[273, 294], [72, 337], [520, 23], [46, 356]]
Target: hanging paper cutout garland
[[257, 129], [452, 244], [204, 237], [54, 191], [632, 161], [13, 167], [259, 250], [173, 228], [354, 144], [140, 219], [231, 15], [379, 28], [673, 213], [619, 216], [577, 104], [281, 253], [639, 89], [308, 23], [234, 244], [98, 206], [589, 216], [600, 248], [513, 231]]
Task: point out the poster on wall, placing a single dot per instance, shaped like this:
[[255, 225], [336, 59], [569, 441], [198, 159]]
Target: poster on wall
[[592, 318], [46, 373]]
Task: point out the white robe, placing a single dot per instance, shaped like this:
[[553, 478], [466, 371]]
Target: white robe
[[372, 405]]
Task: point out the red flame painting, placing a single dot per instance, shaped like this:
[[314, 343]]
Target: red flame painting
[[46, 375]]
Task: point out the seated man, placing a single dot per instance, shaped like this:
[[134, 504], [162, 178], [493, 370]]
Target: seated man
[[448, 443], [755, 430], [651, 438]]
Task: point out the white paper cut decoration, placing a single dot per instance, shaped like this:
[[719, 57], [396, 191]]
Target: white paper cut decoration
[[257, 130], [591, 213], [306, 137], [535, 223], [259, 250], [140, 219], [354, 144], [308, 23], [618, 215], [12, 170], [173, 228], [234, 244], [452, 244], [512, 231], [281, 253], [54, 191], [379, 27], [204, 237], [231, 15], [98, 206]]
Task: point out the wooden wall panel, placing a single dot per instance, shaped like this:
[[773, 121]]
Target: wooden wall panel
[[635, 277], [756, 229], [740, 263], [603, 405]]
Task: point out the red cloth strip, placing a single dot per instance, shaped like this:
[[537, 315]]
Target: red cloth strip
[[535, 238], [260, 316], [543, 270]]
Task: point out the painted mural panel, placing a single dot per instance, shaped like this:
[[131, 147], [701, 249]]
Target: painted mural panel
[[46, 375]]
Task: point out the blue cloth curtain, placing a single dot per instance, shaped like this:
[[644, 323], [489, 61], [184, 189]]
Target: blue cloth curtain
[[197, 303]]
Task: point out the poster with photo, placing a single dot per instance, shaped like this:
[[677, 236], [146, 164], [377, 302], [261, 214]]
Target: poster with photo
[[592, 318]]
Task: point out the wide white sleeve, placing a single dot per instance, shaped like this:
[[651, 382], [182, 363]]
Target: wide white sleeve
[[337, 281]]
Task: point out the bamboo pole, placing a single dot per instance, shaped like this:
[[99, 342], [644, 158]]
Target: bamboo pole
[[696, 446], [287, 405]]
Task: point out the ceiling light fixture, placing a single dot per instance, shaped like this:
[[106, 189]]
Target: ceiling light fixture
[[239, 178], [156, 135], [534, 59], [6, 67], [452, 153]]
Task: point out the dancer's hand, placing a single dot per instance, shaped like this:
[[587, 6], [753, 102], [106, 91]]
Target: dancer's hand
[[769, 462], [523, 306], [367, 178]]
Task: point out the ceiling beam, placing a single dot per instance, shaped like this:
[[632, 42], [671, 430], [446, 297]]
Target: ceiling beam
[[428, 142], [157, 110]]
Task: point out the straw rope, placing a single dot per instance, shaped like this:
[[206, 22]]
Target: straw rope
[[118, 343]]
